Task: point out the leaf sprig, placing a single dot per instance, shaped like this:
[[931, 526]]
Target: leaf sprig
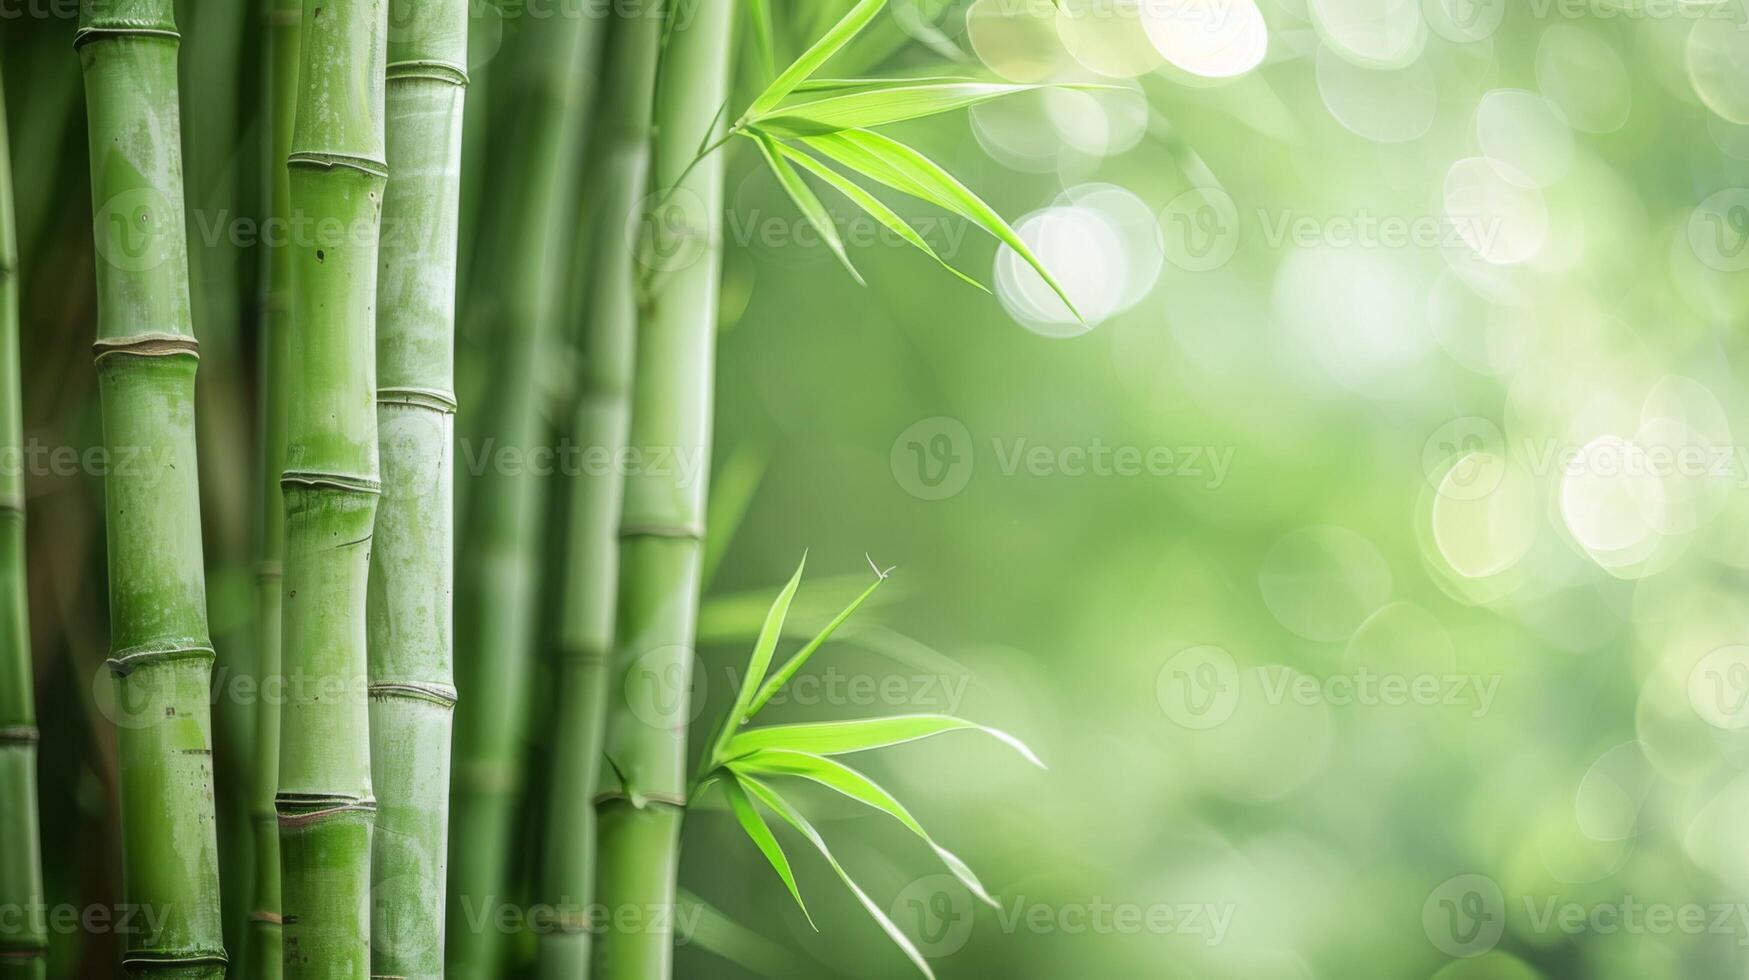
[[742, 760], [833, 118]]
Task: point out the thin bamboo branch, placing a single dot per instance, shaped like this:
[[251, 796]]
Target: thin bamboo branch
[[616, 173], [266, 949], [664, 508], [24, 937], [541, 79]]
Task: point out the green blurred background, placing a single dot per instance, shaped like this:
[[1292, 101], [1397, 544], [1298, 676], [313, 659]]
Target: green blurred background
[[1371, 569]]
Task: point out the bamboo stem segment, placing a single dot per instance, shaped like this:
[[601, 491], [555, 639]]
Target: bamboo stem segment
[[412, 568], [24, 937], [617, 169], [146, 357], [540, 77], [266, 949], [326, 809], [664, 509]]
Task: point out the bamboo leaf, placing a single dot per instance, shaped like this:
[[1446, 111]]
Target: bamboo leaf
[[761, 835], [763, 648], [764, 48], [841, 737], [873, 206], [828, 45], [871, 107], [858, 786], [776, 682], [705, 926], [804, 197], [841, 85], [781, 807], [905, 170]]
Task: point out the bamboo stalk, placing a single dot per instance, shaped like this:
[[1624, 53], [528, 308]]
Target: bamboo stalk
[[615, 174], [266, 949], [211, 59], [146, 356], [336, 178], [662, 526], [24, 937], [538, 75], [412, 568]]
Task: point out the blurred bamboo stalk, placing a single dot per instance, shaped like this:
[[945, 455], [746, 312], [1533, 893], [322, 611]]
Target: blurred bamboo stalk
[[412, 564], [24, 937], [146, 359], [337, 173], [662, 524], [618, 161], [266, 948], [541, 81], [216, 36]]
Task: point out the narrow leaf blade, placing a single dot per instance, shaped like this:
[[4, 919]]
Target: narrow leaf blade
[[764, 47], [793, 817], [805, 199], [873, 206], [828, 45], [835, 775], [761, 835], [905, 170], [879, 106], [766, 645], [776, 681], [842, 737]]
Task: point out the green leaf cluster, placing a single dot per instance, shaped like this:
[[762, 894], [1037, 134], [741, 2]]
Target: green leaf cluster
[[743, 761]]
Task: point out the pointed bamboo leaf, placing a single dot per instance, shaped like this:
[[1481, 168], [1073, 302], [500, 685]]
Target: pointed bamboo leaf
[[841, 737], [763, 648], [764, 48], [761, 835], [781, 807], [707, 927], [873, 206], [842, 85], [837, 776], [872, 107], [905, 170], [804, 197], [776, 681], [828, 45]]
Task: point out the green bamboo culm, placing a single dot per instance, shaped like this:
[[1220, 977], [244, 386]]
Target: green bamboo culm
[[542, 77], [24, 938], [337, 172], [411, 574], [266, 949], [616, 171], [146, 355], [662, 525]]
